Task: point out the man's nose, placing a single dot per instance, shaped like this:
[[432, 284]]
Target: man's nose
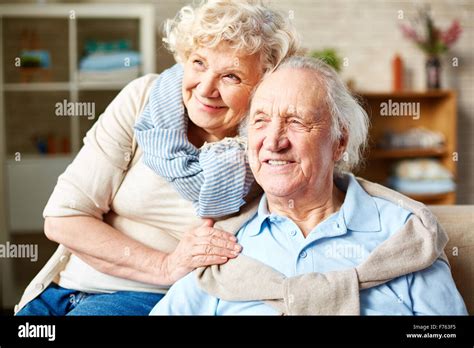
[[276, 138], [207, 86]]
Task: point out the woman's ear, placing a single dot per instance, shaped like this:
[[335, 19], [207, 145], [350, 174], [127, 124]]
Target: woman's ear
[[341, 145]]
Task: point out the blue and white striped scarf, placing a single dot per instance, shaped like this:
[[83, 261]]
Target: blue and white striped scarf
[[216, 178]]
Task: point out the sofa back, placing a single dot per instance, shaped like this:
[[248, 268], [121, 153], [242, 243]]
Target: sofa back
[[458, 222]]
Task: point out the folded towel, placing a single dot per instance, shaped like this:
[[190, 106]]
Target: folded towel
[[108, 61], [421, 186], [113, 75], [94, 46], [418, 137], [421, 168]]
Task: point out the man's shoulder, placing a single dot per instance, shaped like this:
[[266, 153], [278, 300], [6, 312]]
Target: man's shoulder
[[372, 202], [392, 215], [387, 207]]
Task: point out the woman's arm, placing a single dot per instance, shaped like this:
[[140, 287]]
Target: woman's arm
[[85, 192], [112, 252], [106, 249]]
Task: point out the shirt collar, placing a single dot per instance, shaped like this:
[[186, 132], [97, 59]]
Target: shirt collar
[[359, 208], [262, 214], [353, 217]]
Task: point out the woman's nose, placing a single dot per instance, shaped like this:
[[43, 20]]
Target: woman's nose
[[207, 86]]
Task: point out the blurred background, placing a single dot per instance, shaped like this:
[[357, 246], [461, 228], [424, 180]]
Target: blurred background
[[411, 63]]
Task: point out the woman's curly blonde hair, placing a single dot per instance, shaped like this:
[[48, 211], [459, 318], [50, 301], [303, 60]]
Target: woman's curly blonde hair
[[249, 26]]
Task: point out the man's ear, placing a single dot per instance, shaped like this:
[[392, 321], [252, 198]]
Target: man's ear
[[341, 145]]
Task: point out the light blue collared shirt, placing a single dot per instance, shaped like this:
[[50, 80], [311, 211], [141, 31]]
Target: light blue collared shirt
[[343, 240]]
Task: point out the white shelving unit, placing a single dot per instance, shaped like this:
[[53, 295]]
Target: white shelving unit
[[74, 13], [27, 183]]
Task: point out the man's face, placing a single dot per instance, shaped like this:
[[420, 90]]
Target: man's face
[[290, 145]]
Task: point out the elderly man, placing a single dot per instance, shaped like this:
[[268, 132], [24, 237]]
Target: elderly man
[[305, 132]]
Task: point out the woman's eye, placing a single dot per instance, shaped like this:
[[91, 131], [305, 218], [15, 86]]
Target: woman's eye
[[232, 77], [198, 63]]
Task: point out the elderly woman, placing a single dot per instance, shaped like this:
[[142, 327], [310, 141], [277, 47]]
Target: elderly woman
[[127, 234], [317, 226]]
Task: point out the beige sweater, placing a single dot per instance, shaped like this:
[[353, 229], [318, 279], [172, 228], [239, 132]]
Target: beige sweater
[[414, 247], [136, 202]]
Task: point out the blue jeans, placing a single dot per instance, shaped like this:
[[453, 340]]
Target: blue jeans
[[58, 301]]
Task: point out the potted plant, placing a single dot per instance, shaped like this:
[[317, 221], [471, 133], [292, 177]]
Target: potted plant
[[329, 56], [432, 41]]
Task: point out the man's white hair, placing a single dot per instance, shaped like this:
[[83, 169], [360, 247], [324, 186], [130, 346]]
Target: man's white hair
[[250, 26], [347, 115]]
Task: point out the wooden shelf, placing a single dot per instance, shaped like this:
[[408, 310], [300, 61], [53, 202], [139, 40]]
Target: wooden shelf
[[63, 86], [36, 86], [437, 112], [64, 40], [408, 153], [106, 86], [405, 94], [28, 98], [432, 198]]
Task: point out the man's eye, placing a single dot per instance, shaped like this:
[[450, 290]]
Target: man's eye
[[296, 122], [258, 120]]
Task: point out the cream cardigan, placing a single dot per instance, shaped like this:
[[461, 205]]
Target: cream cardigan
[[107, 182]]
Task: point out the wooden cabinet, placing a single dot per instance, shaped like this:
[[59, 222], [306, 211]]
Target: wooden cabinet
[[434, 110], [30, 93], [60, 32], [37, 141]]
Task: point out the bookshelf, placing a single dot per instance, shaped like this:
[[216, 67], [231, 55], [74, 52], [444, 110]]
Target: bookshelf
[[28, 95], [62, 30], [28, 98], [437, 112]]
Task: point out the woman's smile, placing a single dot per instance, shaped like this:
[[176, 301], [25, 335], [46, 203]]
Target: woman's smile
[[209, 108]]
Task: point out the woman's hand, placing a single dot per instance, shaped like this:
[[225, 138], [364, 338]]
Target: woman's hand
[[201, 246]]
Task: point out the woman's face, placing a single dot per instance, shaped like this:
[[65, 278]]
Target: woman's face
[[217, 84]]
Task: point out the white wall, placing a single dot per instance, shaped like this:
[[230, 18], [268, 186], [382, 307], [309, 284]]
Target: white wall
[[367, 33]]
